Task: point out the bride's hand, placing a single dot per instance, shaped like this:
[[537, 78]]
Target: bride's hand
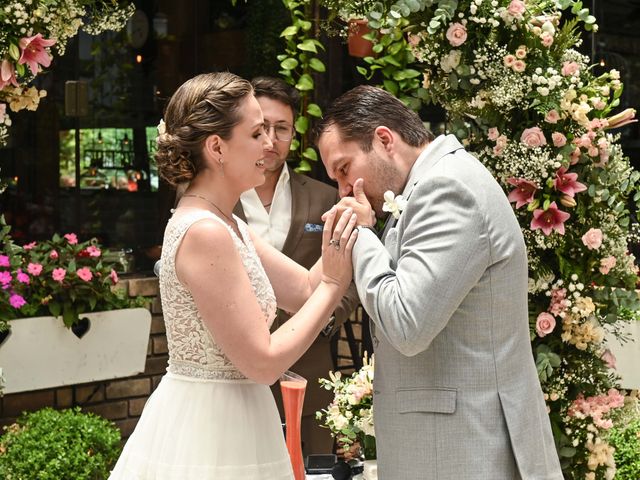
[[337, 243]]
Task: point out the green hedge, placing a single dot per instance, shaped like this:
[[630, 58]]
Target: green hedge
[[626, 441], [55, 445]]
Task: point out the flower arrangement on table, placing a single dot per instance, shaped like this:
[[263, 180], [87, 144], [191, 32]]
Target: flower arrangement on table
[[349, 417], [30, 29], [526, 102], [61, 276]]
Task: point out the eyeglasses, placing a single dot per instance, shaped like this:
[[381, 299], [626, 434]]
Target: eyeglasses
[[281, 131]]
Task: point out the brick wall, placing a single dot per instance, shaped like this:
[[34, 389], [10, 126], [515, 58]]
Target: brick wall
[[121, 400]]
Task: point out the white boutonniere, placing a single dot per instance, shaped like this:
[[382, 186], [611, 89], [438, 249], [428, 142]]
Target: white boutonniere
[[162, 128], [393, 204]]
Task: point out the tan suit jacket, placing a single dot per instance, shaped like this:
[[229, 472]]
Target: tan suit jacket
[[309, 200]]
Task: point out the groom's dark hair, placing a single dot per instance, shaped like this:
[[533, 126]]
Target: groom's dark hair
[[358, 112]]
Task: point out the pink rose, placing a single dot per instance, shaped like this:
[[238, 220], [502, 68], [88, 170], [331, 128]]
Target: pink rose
[[606, 264], [559, 140], [456, 34], [4, 261], [53, 254], [114, 276], [519, 66], [575, 156], [508, 60], [552, 116], [84, 274], [521, 52], [516, 8], [609, 359], [71, 238], [569, 68], [547, 39], [545, 323], [533, 137], [29, 246], [58, 274], [493, 133], [592, 239], [34, 269]]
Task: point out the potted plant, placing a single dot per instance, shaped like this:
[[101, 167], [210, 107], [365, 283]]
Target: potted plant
[[67, 320], [51, 445], [354, 14]]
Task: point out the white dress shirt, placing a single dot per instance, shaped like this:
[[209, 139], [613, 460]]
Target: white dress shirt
[[273, 226]]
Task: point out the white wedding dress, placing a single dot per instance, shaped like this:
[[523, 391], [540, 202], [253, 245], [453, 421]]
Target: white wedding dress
[[205, 420]]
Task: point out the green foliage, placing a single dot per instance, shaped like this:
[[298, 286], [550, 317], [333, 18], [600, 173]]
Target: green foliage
[[393, 61], [298, 64], [626, 440], [55, 445]]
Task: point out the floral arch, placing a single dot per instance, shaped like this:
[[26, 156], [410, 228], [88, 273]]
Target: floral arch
[[522, 98]]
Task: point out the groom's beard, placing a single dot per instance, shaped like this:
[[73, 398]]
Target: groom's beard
[[382, 176]]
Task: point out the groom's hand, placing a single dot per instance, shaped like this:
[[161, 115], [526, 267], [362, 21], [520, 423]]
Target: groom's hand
[[359, 203]]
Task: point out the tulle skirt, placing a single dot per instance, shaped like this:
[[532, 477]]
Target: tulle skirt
[[194, 429]]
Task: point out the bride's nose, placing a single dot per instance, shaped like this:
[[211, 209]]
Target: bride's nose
[[268, 143]]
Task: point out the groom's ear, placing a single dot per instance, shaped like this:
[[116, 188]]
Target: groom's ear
[[385, 136]]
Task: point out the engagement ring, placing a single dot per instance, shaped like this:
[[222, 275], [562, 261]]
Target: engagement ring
[[335, 243]]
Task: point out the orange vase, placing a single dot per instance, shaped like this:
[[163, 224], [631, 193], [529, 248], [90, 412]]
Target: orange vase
[[359, 46], [293, 386]]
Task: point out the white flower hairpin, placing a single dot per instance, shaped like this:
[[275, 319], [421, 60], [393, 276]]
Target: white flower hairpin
[[162, 128], [393, 204]]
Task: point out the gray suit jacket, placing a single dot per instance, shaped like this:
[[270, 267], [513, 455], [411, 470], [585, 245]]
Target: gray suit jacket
[[456, 393]]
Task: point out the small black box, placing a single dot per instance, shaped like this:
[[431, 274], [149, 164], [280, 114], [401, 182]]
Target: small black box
[[320, 463]]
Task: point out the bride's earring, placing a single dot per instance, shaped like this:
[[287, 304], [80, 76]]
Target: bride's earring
[[221, 165]]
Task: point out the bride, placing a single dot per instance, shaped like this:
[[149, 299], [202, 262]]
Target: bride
[[213, 415]]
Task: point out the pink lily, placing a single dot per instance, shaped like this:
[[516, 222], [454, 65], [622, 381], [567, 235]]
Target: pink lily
[[7, 74], [567, 182], [34, 53], [550, 219], [524, 191]]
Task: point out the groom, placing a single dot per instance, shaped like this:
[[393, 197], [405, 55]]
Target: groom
[[456, 394]]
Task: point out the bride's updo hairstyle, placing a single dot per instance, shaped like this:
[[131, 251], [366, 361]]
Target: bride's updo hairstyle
[[205, 105]]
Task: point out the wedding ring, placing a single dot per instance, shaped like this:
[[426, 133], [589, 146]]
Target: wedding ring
[[335, 243]]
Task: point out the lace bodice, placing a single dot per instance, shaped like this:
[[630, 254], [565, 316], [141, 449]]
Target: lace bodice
[[192, 348]]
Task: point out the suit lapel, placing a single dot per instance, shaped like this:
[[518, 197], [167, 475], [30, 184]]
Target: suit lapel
[[299, 212], [440, 147]]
